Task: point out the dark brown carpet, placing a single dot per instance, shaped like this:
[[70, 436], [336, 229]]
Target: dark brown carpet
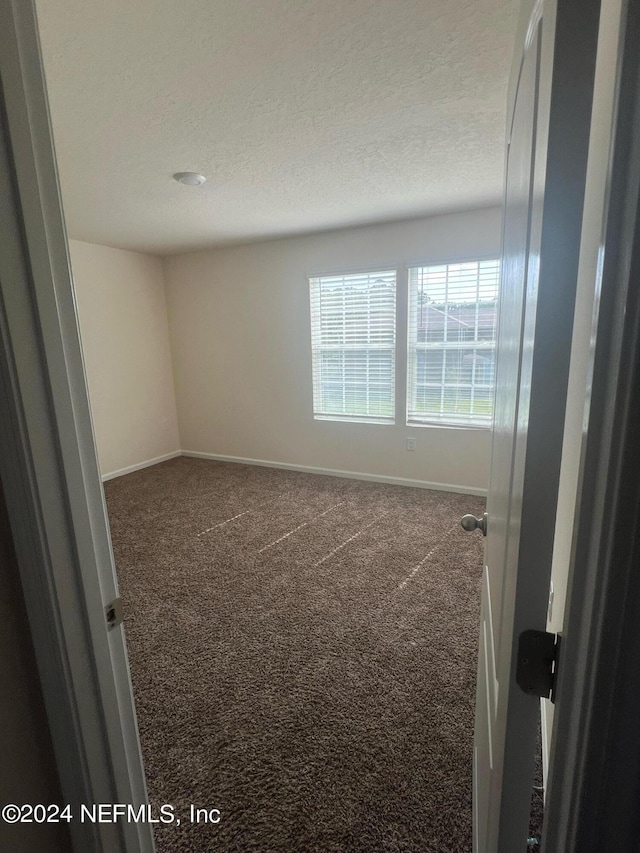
[[303, 653]]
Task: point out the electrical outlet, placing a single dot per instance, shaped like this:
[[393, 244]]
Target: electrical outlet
[[411, 443]]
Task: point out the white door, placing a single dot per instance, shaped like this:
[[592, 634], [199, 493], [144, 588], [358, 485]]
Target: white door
[[548, 132]]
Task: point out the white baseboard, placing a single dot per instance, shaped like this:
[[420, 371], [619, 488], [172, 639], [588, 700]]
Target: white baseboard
[[353, 475], [139, 465]]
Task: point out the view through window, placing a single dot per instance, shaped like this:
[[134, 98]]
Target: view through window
[[353, 336], [450, 335], [451, 343]]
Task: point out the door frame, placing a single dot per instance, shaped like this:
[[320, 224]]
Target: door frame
[[594, 783], [49, 467]]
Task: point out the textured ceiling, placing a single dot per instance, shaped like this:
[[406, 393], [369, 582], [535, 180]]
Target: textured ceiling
[[304, 115]]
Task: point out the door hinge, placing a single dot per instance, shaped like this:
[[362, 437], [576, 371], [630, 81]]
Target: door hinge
[[537, 664], [113, 613]]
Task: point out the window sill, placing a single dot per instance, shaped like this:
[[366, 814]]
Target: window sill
[[355, 420], [448, 425]]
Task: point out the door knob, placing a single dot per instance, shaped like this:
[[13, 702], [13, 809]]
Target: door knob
[[470, 522]]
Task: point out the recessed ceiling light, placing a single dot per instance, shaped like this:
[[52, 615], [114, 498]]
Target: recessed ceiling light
[[191, 179]]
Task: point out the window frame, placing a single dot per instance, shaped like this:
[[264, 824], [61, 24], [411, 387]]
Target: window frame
[[382, 269], [442, 421]]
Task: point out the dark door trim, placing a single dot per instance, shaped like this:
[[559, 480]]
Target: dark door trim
[[594, 786]]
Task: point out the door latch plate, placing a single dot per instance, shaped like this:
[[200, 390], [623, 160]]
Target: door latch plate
[[537, 664], [113, 613]]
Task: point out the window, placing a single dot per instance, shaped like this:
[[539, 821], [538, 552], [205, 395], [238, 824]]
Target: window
[[451, 343], [353, 339]]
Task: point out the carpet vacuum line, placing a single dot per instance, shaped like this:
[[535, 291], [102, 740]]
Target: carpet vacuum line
[[417, 568], [350, 539], [299, 527], [240, 514]]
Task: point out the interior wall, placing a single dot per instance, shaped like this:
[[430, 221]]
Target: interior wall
[[582, 343], [122, 315], [240, 338]]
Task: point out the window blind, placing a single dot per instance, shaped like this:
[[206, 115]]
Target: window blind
[[353, 339], [451, 343]]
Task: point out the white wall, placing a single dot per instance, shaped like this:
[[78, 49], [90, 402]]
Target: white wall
[[125, 340], [239, 324], [596, 185]]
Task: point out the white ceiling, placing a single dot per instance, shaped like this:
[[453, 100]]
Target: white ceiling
[[304, 115]]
